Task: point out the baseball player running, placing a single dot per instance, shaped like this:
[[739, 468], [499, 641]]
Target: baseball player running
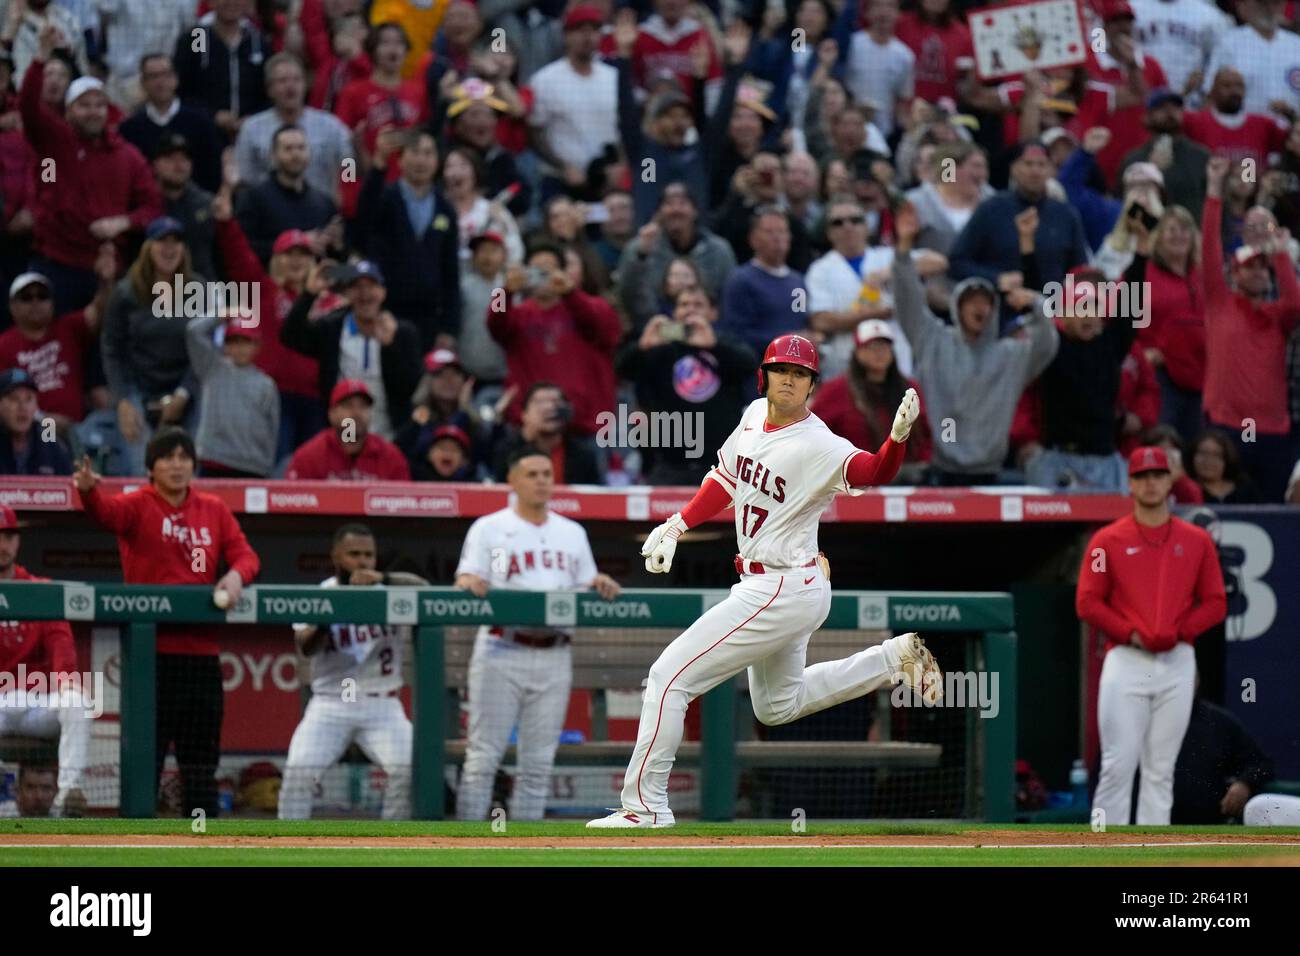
[[520, 676], [367, 709], [780, 469]]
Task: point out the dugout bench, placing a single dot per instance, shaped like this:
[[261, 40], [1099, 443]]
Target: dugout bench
[[440, 663]]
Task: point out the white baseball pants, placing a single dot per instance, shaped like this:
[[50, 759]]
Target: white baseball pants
[[380, 728], [764, 625], [1143, 707], [511, 685], [28, 715]]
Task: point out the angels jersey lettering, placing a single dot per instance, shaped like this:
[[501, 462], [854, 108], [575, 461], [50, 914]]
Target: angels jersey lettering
[[781, 481], [370, 654], [509, 552]]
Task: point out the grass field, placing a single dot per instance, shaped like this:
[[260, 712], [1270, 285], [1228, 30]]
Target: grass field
[[415, 843]]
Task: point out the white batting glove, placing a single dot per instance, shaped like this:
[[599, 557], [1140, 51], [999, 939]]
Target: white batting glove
[[908, 411], [661, 544]]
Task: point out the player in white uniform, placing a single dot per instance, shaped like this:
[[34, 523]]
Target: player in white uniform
[[521, 676], [780, 469], [356, 678]]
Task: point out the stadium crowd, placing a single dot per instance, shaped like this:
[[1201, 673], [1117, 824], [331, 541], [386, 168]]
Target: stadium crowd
[[397, 240]]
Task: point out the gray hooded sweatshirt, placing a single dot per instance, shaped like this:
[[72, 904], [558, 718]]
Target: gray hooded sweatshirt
[[976, 384]]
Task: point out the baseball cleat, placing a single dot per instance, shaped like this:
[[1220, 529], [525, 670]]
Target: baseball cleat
[[623, 819], [918, 668]]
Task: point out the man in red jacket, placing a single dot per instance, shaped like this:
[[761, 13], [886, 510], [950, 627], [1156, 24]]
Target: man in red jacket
[[348, 450], [168, 533], [93, 186], [559, 334], [1246, 341], [1150, 583], [45, 651]]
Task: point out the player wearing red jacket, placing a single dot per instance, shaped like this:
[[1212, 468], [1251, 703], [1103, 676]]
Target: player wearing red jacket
[[168, 533], [1150, 583], [43, 649]]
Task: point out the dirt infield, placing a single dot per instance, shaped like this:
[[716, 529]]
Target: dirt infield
[[641, 839]]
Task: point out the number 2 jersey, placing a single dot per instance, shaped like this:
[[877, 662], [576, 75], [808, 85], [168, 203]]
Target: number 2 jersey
[[783, 479], [370, 654]]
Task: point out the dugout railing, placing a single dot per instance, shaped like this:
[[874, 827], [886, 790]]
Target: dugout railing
[[987, 617]]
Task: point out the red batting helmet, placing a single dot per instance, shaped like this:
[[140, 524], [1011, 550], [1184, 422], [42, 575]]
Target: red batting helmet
[[788, 350]]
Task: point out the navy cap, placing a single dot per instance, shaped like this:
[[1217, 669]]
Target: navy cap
[[1161, 96], [15, 378], [165, 226], [365, 269]]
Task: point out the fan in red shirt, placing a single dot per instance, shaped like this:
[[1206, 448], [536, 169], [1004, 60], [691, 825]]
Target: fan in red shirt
[[346, 450], [44, 650], [1225, 129], [53, 351], [859, 405], [939, 38], [168, 533], [1123, 65], [383, 100], [1150, 583], [663, 46]]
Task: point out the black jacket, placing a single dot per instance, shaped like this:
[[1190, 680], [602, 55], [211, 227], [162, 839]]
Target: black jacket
[[400, 361], [210, 81], [705, 384], [194, 210], [43, 457], [422, 272], [1081, 384], [1216, 751], [268, 209], [205, 140]]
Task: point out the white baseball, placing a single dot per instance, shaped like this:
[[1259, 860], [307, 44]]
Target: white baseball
[[221, 598]]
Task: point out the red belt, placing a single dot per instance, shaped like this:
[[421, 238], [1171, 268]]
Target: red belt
[[531, 638], [756, 568]]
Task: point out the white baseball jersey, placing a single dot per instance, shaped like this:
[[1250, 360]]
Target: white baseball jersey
[[781, 481], [1271, 67], [1180, 34], [514, 554], [370, 654]]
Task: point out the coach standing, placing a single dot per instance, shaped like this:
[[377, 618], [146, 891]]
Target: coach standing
[[521, 676], [169, 533], [1151, 583]]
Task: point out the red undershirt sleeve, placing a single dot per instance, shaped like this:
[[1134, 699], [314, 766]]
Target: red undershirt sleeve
[[881, 468], [708, 501]]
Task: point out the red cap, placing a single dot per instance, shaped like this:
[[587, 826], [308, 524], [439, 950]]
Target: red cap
[[487, 236], [1116, 10], [8, 520], [348, 387], [788, 350], [237, 328], [454, 432], [291, 239], [582, 13], [439, 359], [1147, 458]]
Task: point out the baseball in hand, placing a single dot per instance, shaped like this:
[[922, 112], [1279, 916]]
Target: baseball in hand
[[221, 598]]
